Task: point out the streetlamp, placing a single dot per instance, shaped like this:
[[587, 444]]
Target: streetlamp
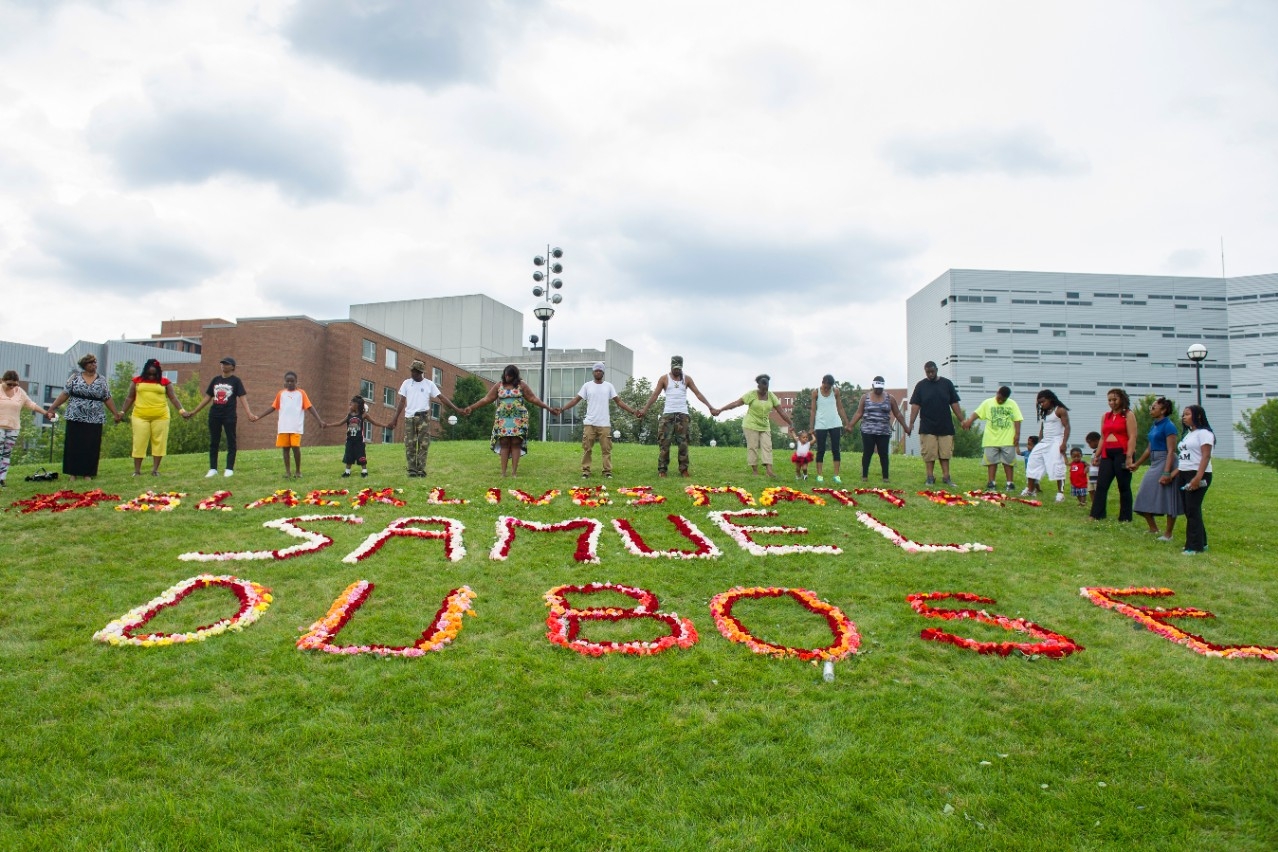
[[545, 311], [1198, 353]]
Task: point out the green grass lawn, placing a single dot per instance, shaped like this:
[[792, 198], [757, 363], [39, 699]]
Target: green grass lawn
[[505, 741]]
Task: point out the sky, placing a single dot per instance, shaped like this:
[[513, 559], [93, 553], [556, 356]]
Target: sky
[[756, 186]]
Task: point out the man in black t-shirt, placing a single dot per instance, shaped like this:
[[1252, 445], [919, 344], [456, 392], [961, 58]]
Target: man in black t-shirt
[[935, 398], [222, 393]]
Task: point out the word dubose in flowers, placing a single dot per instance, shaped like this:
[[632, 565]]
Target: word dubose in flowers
[[567, 621]]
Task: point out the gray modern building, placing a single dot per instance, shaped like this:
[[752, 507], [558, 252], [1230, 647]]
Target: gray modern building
[[481, 335], [43, 372], [1081, 334]]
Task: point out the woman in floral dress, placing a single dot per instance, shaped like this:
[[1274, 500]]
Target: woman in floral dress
[[510, 425]]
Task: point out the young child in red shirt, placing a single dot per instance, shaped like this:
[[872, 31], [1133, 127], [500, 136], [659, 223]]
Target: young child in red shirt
[[1078, 475]]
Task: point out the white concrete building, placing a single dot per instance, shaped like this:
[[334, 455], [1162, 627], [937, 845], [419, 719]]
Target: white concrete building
[[1080, 334], [481, 335]]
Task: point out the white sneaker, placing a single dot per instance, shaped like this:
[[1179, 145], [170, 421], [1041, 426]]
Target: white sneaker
[[229, 472], [212, 472], [1060, 497], [1025, 492]]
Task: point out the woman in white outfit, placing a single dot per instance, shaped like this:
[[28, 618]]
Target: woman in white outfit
[[1047, 461]]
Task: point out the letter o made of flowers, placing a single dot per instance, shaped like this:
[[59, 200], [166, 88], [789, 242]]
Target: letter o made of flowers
[[846, 639]]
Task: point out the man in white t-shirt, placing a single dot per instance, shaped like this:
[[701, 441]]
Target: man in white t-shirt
[[597, 424], [415, 397]]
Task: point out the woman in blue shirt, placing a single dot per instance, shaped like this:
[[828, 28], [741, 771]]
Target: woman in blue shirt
[[1158, 494]]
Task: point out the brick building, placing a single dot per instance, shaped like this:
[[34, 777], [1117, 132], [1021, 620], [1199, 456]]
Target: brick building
[[334, 360]]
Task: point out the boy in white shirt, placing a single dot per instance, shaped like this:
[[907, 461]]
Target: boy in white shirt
[[292, 403]]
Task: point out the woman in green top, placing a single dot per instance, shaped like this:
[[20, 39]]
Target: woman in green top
[[758, 431]]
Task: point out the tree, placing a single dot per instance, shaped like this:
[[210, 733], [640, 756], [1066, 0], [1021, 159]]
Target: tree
[[967, 442], [1259, 428], [479, 425], [636, 430]]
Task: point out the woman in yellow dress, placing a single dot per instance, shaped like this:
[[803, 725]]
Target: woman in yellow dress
[[149, 397]]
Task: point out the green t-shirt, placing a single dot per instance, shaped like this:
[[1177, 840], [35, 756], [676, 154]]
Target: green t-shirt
[[1000, 422], [757, 411]]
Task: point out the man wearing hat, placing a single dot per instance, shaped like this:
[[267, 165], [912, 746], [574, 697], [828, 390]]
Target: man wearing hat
[[415, 397], [222, 393], [675, 417], [597, 424]]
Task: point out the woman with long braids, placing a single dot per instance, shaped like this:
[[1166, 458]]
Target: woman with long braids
[[1047, 459]]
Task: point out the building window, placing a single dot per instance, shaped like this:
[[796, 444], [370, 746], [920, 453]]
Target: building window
[[978, 380], [975, 328], [368, 432], [945, 302], [435, 410], [437, 376], [389, 397], [1060, 332], [388, 436], [370, 351], [366, 389], [171, 375], [392, 359]]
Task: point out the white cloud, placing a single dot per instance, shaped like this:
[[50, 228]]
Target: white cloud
[[756, 187]]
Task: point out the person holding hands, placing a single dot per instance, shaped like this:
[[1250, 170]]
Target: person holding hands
[[674, 417], [292, 403], [597, 424], [149, 396], [222, 392], [510, 423], [760, 403]]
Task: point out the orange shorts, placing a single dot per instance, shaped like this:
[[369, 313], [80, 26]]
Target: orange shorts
[[288, 439]]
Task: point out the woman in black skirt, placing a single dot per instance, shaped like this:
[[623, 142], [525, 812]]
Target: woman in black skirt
[[86, 394]]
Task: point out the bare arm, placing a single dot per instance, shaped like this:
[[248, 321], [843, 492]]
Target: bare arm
[[194, 411], [1131, 434], [860, 412], [479, 403], [172, 395], [529, 396], [399, 410], [1169, 463], [1064, 416], [692, 386], [576, 399], [914, 415], [656, 392]]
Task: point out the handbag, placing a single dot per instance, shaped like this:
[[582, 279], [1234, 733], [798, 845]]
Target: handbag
[[43, 476]]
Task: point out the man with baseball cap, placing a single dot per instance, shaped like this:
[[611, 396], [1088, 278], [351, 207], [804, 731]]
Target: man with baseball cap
[[597, 424], [675, 417], [222, 393], [415, 397]]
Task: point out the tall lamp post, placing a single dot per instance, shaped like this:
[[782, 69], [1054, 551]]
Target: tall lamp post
[[1198, 353], [546, 285]]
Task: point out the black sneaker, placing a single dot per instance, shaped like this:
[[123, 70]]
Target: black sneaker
[[364, 474], [607, 476], [346, 475]]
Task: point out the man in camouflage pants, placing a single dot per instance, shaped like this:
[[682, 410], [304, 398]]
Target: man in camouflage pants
[[415, 397], [674, 417]]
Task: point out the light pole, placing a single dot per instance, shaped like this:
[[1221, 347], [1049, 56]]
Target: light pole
[[1198, 353], [546, 310]]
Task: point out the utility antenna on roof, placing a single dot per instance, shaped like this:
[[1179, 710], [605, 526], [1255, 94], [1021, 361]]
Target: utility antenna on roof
[[1222, 258]]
